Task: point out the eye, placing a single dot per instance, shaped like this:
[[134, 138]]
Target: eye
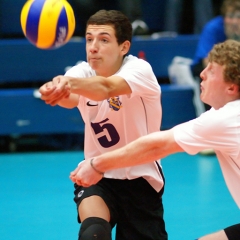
[[210, 68], [88, 40], [104, 40]]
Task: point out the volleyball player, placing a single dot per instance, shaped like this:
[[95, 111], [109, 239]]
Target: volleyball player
[[118, 97]]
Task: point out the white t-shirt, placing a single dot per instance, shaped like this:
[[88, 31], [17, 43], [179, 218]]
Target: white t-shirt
[[218, 130], [113, 123]]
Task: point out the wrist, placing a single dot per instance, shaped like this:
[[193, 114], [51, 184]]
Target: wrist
[[94, 167]]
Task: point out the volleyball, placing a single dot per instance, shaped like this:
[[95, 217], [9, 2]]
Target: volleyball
[[47, 24]]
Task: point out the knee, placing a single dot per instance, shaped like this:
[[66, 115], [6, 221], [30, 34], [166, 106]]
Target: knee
[[95, 228]]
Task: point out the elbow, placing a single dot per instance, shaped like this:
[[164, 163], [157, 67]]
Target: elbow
[[100, 97], [101, 94], [102, 90]]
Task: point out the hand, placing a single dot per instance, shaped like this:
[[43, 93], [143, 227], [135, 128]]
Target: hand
[[56, 90], [84, 175]]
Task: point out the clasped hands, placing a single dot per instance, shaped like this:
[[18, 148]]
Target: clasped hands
[[54, 91], [85, 175]]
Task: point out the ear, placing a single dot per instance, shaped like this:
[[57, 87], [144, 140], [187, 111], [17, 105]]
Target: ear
[[125, 46], [233, 89]]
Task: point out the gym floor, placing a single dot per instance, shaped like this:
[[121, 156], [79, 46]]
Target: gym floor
[[36, 196]]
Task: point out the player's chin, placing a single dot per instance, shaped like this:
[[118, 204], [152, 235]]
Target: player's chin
[[94, 64], [204, 100], [202, 95]]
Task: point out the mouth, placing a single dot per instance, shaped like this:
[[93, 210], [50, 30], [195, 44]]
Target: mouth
[[94, 59]]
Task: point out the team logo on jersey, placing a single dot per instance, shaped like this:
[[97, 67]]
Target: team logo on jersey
[[114, 103]]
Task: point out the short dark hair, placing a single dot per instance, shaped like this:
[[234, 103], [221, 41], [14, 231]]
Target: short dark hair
[[227, 54], [121, 24], [230, 5]]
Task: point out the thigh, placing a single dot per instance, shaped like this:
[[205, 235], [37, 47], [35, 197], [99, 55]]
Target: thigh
[[96, 201], [140, 212], [93, 206], [233, 232]]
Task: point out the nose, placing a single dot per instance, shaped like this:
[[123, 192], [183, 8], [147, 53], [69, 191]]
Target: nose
[[93, 47], [202, 74]]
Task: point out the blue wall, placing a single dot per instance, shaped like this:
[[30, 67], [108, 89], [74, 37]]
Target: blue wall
[[10, 10]]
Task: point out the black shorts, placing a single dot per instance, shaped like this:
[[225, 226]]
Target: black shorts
[[233, 232], [135, 207]]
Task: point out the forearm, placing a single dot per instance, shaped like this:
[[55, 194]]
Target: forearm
[[95, 88], [70, 102], [143, 150]]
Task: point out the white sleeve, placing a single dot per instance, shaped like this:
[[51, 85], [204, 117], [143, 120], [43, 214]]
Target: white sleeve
[[140, 77], [210, 130], [82, 70]]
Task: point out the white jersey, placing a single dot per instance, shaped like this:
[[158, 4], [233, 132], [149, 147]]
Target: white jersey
[[115, 122], [218, 130]]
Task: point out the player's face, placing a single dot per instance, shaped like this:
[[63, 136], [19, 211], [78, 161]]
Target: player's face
[[232, 25], [213, 86], [103, 52]]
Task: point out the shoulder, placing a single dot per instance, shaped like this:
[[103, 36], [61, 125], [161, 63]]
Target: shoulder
[[82, 65], [216, 20], [81, 69], [230, 112], [216, 121], [133, 61], [133, 66], [212, 33], [216, 23]]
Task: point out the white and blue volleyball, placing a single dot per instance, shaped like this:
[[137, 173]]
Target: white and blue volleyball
[[47, 24]]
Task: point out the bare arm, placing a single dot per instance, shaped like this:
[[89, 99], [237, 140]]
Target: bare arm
[[99, 88], [143, 150], [65, 91]]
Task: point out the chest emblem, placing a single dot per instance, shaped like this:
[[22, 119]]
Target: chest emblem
[[114, 103]]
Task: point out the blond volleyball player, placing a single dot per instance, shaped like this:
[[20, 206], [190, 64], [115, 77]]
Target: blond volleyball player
[[118, 97]]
